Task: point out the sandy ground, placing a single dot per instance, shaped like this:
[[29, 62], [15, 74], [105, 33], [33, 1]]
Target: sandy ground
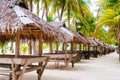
[[102, 68]]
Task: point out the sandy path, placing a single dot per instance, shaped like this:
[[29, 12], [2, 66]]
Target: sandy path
[[103, 68]]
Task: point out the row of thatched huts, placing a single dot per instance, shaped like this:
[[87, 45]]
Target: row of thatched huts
[[18, 24]]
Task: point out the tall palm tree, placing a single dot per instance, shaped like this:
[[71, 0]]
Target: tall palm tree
[[37, 2], [45, 4], [111, 18]]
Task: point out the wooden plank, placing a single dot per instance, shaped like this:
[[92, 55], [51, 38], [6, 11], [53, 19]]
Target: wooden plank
[[60, 55], [30, 69], [22, 60], [17, 44]]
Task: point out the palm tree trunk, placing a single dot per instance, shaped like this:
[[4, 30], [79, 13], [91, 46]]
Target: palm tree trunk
[[58, 14], [118, 37], [98, 12], [43, 13], [68, 14], [31, 5], [62, 12], [46, 15], [38, 6]]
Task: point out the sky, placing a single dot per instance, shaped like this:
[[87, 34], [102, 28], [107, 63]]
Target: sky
[[93, 7]]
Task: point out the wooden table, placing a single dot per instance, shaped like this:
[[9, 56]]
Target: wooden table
[[24, 64], [61, 57]]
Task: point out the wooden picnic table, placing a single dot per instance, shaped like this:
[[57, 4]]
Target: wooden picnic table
[[61, 56], [24, 64]]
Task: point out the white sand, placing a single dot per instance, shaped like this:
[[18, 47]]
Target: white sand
[[103, 68]]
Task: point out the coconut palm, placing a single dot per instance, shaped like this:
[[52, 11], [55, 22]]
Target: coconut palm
[[65, 6], [111, 18]]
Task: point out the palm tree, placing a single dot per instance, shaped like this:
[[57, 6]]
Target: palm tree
[[111, 18], [78, 10], [37, 2], [30, 4], [45, 4]]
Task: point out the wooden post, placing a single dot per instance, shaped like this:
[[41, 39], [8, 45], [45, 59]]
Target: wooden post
[[65, 50], [30, 48], [17, 44], [63, 46], [40, 44], [39, 71], [51, 50], [80, 52], [17, 49], [57, 47], [72, 46], [88, 51]]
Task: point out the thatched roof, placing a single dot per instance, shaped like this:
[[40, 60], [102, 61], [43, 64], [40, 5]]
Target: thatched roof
[[100, 43], [92, 42], [14, 18], [75, 36]]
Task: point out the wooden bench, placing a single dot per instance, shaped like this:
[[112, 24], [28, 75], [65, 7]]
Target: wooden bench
[[61, 57], [23, 64]]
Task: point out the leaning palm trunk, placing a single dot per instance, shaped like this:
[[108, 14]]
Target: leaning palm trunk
[[119, 50], [31, 5], [68, 14], [118, 37]]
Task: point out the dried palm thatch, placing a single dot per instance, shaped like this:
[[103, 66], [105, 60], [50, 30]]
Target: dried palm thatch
[[75, 36], [14, 18], [100, 43], [92, 42]]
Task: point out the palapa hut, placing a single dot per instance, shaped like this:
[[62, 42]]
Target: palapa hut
[[100, 46], [93, 47], [69, 55], [18, 23], [76, 37]]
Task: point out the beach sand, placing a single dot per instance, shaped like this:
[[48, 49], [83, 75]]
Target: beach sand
[[102, 68]]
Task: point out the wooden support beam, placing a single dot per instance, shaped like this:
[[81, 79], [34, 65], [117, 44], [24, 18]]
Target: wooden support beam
[[57, 47], [17, 48], [63, 46], [72, 47], [80, 47], [30, 47], [40, 44], [65, 50], [51, 49]]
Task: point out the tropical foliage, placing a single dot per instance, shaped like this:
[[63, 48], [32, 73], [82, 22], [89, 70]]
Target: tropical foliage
[[24, 48], [110, 18], [78, 16]]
